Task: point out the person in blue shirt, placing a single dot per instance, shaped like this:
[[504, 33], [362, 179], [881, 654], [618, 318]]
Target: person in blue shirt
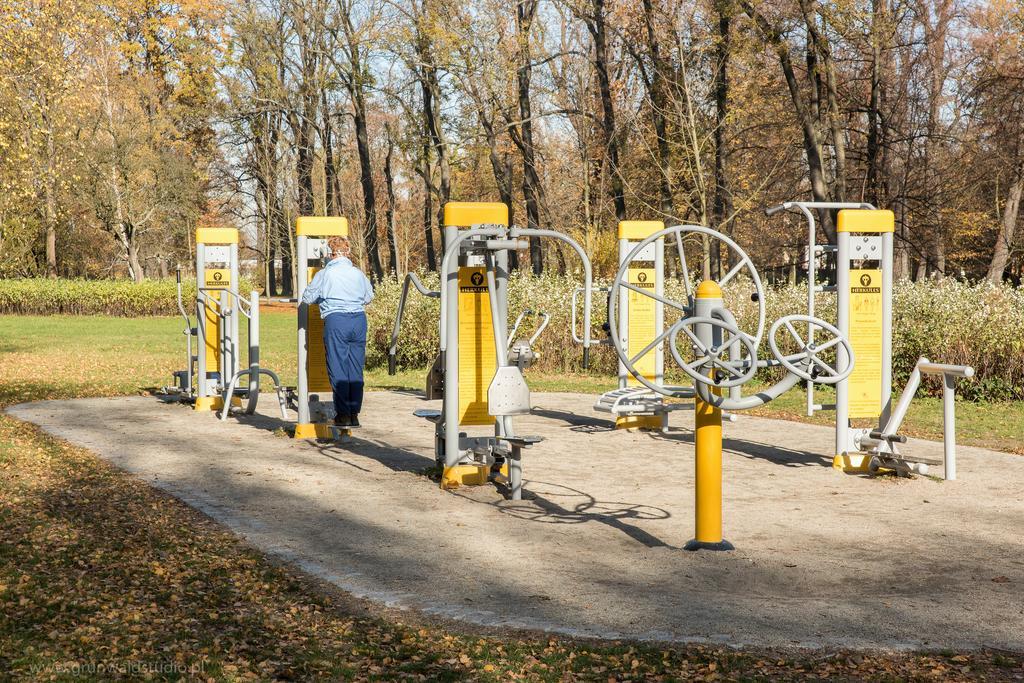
[[342, 291]]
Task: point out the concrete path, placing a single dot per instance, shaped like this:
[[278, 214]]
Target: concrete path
[[822, 558]]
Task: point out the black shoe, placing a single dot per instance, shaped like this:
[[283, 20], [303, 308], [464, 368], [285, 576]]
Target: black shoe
[[355, 421], [342, 420]]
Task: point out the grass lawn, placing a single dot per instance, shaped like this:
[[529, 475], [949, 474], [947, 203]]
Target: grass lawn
[[97, 569]]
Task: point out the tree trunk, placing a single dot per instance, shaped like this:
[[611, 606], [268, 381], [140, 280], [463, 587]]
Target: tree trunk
[[389, 217], [271, 265], [333, 199], [304, 161], [598, 30], [1007, 227], [721, 208], [502, 169], [873, 150], [428, 210], [50, 201], [366, 181], [134, 264], [526, 10], [659, 105], [805, 114], [288, 272], [432, 115]]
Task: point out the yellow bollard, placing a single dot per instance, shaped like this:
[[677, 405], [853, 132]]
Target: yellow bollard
[[708, 451]]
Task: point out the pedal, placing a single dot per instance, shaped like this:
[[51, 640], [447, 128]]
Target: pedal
[[523, 441]]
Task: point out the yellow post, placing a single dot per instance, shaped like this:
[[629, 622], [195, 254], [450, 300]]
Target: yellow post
[[708, 446]]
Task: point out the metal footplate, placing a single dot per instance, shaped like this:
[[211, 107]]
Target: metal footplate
[[636, 401], [430, 414], [631, 401], [522, 441]]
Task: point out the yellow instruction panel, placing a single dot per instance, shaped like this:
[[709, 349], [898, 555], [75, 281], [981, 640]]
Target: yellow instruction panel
[[865, 382], [477, 359], [212, 333], [316, 355], [641, 321], [217, 278]]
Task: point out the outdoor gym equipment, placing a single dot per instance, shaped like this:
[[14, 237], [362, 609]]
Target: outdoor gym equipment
[[211, 376], [316, 416], [478, 373], [641, 320], [864, 286], [706, 343]]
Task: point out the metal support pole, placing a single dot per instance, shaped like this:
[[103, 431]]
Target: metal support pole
[[949, 426], [708, 440], [624, 249], [450, 326], [202, 382], [236, 340], [886, 328], [254, 347], [515, 473], [812, 282], [499, 319], [201, 390], [302, 385], [842, 358]]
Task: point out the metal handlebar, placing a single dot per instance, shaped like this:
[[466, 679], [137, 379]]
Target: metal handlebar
[[545, 318], [410, 278], [805, 206]]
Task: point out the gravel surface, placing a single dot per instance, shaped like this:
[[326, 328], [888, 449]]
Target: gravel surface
[[822, 558]]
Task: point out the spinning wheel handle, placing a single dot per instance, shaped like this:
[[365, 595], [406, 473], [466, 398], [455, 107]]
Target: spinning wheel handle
[[741, 371], [806, 362]]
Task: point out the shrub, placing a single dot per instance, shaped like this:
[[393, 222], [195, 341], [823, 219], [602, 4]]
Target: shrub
[[40, 296], [947, 321]]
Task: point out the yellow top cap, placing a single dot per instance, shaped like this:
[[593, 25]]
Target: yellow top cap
[[709, 289], [639, 230], [321, 226], [465, 214], [866, 220], [216, 235]]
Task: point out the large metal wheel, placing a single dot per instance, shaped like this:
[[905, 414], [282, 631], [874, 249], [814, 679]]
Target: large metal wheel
[[680, 232]]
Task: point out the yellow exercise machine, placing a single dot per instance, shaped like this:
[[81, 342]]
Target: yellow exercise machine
[[316, 415], [864, 291], [211, 376], [641, 320], [479, 370]]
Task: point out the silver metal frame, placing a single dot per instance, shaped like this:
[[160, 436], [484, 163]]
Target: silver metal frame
[[227, 324], [487, 246], [813, 251]]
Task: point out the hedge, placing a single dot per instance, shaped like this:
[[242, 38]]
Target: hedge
[[40, 296], [946, 320]]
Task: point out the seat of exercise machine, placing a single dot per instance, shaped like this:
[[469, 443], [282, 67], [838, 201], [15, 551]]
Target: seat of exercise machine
[[431, 414], [524, 441]]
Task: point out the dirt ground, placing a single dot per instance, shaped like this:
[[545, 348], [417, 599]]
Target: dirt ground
[[822, 558]]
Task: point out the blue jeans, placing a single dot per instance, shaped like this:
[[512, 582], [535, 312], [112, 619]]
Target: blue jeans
[[345, 346]]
